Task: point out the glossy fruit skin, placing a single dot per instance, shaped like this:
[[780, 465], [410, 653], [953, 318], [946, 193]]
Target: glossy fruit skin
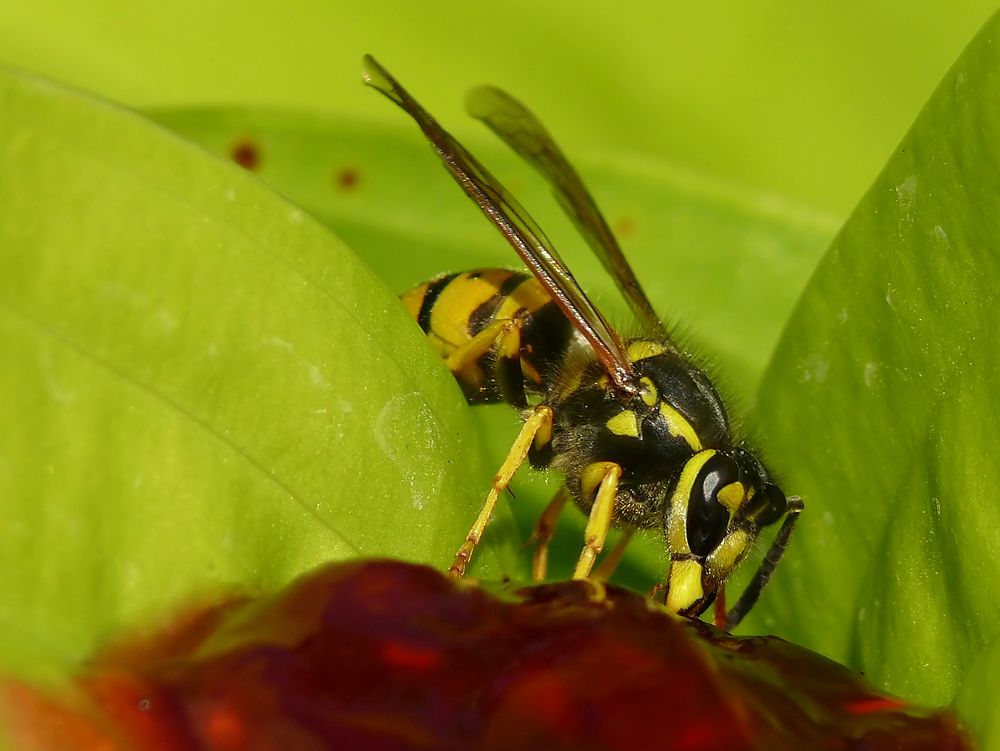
[[387, 656]]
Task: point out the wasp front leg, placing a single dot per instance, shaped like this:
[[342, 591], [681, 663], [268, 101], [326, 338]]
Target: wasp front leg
[[605, 476], [537, 430]]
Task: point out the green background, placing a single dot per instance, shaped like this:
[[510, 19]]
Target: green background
[[805, 101], [204, 389]]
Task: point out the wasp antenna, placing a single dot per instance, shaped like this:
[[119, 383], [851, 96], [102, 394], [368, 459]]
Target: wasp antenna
[[760, 580]]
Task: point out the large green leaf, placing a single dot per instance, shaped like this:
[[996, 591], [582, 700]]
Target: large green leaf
[[200, 387], [883, 394]]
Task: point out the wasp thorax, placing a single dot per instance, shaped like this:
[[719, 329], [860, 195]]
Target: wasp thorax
[[683, 402]]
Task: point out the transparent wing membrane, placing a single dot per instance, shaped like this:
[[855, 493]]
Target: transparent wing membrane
[[517, 227], [522, 131]]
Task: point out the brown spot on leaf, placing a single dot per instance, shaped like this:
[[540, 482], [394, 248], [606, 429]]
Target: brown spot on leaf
[[246, 154], [625, 227], [347, 178]]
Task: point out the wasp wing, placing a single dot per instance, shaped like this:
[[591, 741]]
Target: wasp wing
[[517, 227], [523, 132]]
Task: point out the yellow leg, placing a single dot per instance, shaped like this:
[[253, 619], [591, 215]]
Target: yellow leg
[[610, 562], [480, 344], [599, 521], [538, 424], [544, 529]]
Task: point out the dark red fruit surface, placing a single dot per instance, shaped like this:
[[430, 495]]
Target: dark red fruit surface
[[388, 656]]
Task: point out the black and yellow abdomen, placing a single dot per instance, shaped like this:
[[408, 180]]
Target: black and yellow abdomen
[[499, 331]]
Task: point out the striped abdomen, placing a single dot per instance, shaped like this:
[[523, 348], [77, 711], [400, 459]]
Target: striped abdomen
[[499, 330]]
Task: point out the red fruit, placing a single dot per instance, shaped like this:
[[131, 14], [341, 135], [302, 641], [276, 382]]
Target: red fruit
[[387, 656]]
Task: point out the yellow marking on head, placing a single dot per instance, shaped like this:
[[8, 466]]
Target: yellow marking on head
[[678, 426], [647, 392], [727, 556], [625, 423], [684, 585], [677, 527], [643, 348], [603, 382], [731, 496], [598, 590]]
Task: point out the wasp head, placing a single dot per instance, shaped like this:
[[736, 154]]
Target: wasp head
[[718, 506]]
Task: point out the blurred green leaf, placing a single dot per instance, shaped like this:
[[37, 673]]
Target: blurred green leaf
[[802, 99], [201, 387], [883, 396], [977, 700]]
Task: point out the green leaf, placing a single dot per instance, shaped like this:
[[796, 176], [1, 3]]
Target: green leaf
[[977, 699], [884, 394], [201, 387]]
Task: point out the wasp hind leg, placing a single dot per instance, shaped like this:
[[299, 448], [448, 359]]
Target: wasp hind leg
[[469, 352], [544, 529], [610, 562], [537, 429], [505, 379]]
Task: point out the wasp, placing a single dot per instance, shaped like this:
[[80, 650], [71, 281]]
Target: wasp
[[638, 431]]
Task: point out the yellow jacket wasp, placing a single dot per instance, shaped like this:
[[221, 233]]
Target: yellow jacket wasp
[[639, 432]]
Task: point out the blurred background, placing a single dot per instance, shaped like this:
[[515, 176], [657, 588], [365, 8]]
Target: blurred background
[[803, 100]]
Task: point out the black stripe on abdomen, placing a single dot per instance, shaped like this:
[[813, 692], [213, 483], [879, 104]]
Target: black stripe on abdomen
[[434, 290]]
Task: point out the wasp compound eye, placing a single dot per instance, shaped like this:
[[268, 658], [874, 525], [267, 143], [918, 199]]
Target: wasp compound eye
[[707, 516], [774, 505]]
